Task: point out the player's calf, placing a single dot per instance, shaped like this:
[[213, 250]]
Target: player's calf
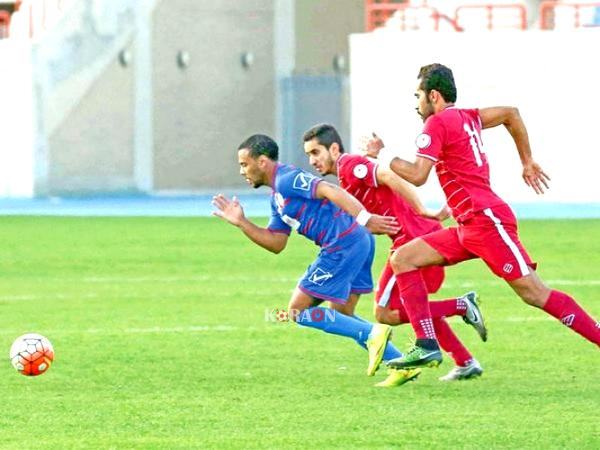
[[531, 289], [559, 305]]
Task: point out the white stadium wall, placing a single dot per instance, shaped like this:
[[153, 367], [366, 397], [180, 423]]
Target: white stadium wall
[[552, 77], [17, 119]]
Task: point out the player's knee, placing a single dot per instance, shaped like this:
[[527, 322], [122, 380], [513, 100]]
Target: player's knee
[[380, 315], [294, 311], [401, 261]]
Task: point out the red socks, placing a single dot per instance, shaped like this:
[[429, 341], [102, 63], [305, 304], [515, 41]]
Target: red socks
[[414, 295], [566, 309], [448, 308], [439, 308], [450, 343]]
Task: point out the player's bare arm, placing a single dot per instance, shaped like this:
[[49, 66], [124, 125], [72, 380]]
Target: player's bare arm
[[415, 173], [533, 175], [231, 211], [375, 223], [404, 189]]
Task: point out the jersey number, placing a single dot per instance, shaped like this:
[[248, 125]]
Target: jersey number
[[475, 141]]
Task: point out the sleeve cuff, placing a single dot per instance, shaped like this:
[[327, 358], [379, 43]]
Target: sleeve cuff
[[422, 155]]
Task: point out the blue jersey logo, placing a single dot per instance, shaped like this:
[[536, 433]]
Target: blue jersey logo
[[303, 181]]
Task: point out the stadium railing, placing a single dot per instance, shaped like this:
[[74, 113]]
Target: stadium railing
[[560, 15], [377, 12], [405, 17], [491, 16]]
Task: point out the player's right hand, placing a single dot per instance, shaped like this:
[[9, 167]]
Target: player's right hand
[[371, 146], [229, 210], [535, 177], [382, 225]]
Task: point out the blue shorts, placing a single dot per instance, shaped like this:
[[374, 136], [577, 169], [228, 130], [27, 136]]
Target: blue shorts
[[336, 274]]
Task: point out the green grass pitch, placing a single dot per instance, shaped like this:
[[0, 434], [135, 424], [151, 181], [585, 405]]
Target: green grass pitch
[[161, 342]]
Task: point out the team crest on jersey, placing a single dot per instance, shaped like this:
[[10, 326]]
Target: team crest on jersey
[[319, 276], [360, 171], [302, 181], [423, 140]]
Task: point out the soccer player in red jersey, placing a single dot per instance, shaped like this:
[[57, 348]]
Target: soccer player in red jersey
[[384, 193], [487, 228]]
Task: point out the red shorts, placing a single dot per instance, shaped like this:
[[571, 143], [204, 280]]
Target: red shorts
[[491, 235], [388, 294]]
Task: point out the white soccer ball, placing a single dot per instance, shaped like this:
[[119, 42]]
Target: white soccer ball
[[31, 354]]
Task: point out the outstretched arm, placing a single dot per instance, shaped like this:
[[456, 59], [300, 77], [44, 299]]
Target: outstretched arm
[[375, 223], [415, 173], [533, 175], [231, 211], [405, 190]]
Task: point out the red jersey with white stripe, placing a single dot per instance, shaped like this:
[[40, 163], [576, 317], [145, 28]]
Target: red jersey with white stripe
[[357, 175], [452, 138]]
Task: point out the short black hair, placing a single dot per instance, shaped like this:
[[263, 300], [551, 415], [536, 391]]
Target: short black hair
[[326, 135], [440, 78], [260, 144]]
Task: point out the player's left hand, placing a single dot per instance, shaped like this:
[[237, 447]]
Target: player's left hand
[[371, 146], [382, 225], [535, 177], [229, 210]]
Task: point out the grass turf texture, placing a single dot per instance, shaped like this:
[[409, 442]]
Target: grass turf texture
[[161, 342]]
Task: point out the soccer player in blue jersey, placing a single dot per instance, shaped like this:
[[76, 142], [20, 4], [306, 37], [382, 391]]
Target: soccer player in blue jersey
[[332, 219]]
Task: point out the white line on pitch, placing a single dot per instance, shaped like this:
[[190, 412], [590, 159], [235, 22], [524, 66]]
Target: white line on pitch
[[215, 328], [190, 329], [229, 278], [260, 279], [47, 296], [191, 278]]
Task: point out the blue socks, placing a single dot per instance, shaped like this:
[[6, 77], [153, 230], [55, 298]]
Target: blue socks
[[390, 351], [332, 322]]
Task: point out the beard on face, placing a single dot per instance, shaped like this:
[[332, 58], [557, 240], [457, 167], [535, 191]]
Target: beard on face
[[428, 111]]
